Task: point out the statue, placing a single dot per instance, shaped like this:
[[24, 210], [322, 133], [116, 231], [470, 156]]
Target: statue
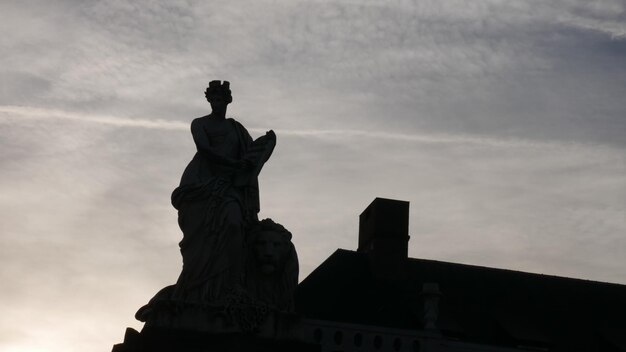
[[217, 197], [236, 268]]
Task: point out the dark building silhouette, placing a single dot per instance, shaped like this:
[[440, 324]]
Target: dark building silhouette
[[378, 299]]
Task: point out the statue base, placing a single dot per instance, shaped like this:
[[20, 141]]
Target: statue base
[[153, 339]]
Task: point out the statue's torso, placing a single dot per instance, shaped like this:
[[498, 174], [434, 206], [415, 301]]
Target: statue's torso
[[224, 140]]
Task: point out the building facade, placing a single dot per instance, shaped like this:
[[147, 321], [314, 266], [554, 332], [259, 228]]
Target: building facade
[[378, 299]]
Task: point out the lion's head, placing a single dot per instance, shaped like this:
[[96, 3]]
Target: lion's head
[[272, 264]]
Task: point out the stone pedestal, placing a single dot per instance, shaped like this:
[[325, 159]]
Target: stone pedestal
[[170, 340]]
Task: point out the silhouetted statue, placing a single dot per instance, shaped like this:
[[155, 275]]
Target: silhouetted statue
[[217, 199], [236, 268]]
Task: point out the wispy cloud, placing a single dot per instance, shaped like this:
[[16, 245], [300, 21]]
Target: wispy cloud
[[47, 114], [433, 138], [501, 121]]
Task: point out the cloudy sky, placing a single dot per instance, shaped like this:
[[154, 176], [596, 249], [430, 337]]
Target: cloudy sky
[[502, 122]]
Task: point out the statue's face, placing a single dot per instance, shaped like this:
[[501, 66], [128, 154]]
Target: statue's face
[[218, 101], [269, 249]]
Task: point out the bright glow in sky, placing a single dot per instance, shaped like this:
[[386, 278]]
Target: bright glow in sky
[[503, 123]]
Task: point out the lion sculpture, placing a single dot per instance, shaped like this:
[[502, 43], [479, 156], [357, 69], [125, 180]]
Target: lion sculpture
[[271, 265]]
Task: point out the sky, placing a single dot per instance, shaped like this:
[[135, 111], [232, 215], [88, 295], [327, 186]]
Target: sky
[[502, 122]]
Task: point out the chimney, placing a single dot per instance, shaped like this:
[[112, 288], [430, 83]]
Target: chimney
[[384, 236]]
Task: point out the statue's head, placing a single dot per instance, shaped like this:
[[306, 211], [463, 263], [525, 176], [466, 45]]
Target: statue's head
[[218, 93], [272, 265]]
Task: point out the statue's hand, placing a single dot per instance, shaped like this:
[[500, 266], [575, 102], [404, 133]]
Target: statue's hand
[[270, 137]]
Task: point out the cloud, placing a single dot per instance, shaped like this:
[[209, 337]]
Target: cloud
[[38, 113], [501, 122], [607, 16], [47, 114], [484, 68]]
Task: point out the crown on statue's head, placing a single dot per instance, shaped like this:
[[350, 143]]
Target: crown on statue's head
[[217, 88]]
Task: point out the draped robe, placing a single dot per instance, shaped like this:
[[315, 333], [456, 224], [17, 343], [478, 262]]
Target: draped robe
[[215, 201]]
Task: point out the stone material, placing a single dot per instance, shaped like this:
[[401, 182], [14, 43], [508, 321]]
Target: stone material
[[238, 273], [171, 340]]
